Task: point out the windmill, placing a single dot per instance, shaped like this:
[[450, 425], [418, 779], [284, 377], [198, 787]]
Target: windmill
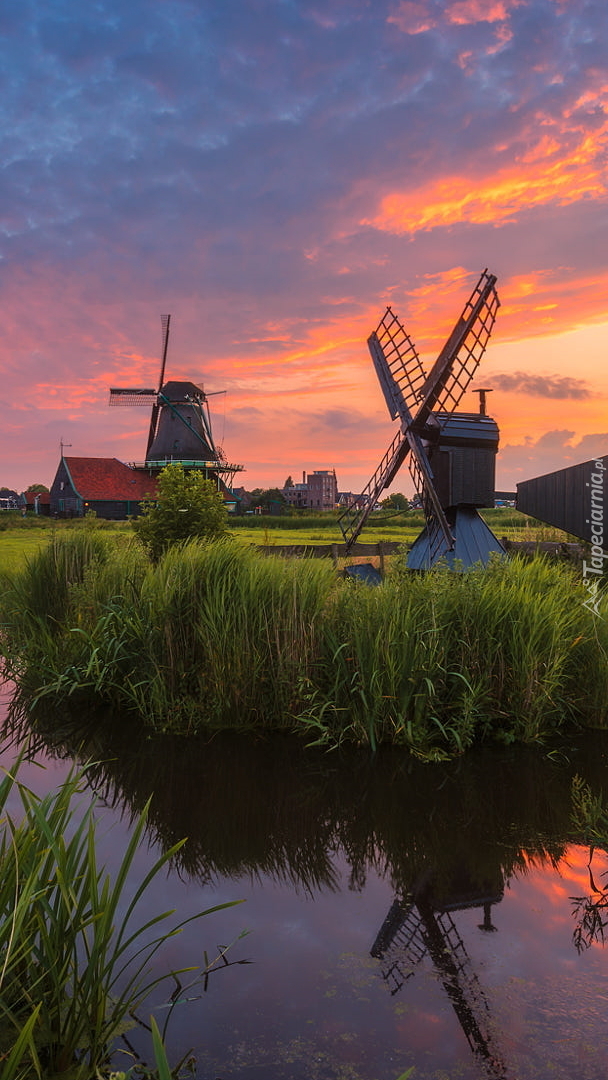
[[180, 423], [451, 455]]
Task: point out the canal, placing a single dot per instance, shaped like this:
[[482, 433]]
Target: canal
[[447, 917]]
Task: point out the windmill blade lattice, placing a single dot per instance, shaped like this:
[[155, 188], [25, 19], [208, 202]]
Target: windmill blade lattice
[[439, 534], [354, 517], [398, 366], [132, 396], [165, 323], [459, 359]]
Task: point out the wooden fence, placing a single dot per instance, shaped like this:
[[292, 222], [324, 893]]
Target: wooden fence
[[556, 550]]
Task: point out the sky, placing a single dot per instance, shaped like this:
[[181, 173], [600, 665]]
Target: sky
[[273, 173]]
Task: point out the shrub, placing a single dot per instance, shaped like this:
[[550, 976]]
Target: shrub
[[187, 507]]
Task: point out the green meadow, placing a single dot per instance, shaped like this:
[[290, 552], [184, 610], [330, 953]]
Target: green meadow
[[20, 539]]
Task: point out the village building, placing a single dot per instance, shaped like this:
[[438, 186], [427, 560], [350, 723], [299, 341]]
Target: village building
[[318, 491], [37, 501], [106, 486]]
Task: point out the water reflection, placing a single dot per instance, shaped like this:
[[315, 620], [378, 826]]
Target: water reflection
[[415, 927], [448, 840]]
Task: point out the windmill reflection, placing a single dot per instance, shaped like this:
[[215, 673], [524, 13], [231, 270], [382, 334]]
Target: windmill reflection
[[420, 924]]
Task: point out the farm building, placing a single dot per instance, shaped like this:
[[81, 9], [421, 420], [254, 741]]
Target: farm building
[[104, 485]]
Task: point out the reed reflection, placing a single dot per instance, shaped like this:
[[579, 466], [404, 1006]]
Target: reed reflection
[[276, 808]]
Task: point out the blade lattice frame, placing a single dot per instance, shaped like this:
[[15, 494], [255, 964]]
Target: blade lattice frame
[[356, 514], [127, 396], [460, 357], [440, 538], [398, 366]]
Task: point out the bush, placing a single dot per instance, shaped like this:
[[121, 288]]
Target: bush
[[187, 507]]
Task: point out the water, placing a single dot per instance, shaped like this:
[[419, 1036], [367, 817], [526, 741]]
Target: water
[[398, 914]]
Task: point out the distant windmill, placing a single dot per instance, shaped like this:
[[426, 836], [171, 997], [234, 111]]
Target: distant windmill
[[180, 423], [451, 455]]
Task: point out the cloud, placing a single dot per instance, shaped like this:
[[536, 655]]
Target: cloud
[[553, 450], [550, 386], [548, 173], [273, 175]]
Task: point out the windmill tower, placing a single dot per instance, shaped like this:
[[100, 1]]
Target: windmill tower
[[180, 424], [451, 455]]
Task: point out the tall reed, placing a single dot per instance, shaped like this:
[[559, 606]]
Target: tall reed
[[75, 959], [217, 635]]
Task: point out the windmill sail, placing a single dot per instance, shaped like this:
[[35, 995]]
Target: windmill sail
[[126, 395], [459, 359], [165, 321], [356, 514], [398, 366], [439, 536]]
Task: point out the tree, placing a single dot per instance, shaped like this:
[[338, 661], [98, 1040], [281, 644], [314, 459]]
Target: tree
[[186, 506], [37, 489], [397, 501], [271, 499], [288, 482]]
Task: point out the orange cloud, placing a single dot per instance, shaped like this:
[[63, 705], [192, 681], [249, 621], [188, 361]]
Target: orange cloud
[[464, 12], [412, 18], [500, 197]]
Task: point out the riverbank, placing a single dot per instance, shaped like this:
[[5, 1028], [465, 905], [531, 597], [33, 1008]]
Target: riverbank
[[219, 637]]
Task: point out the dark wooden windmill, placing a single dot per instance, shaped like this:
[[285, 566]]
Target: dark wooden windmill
[[451, 455], [180, 423]]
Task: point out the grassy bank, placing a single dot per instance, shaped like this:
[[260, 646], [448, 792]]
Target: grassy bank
[[219, 637]]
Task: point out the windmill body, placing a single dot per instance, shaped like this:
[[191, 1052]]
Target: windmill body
[[463, 463], [183, 432], [451, 455], [180, 425]]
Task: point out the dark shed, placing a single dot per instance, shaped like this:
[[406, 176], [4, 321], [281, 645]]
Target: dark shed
[[571, 499]]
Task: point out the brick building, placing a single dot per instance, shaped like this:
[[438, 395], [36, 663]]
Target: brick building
[[318, 491]]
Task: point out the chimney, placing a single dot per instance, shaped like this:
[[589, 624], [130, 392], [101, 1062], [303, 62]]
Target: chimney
[[482, 398]]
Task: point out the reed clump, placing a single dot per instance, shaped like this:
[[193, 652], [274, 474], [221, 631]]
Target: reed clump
[[218, 636], [74, 955]]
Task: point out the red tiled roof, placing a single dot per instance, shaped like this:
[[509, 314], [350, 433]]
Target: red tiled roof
[[108, 478], [44, 497]]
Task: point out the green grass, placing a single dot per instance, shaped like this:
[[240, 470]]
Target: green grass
[[217, 636], [20, 539]]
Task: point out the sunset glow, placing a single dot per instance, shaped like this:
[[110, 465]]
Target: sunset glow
[[274, 176]]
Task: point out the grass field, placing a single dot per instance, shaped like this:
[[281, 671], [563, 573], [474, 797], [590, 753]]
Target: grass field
[[22, 539]]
